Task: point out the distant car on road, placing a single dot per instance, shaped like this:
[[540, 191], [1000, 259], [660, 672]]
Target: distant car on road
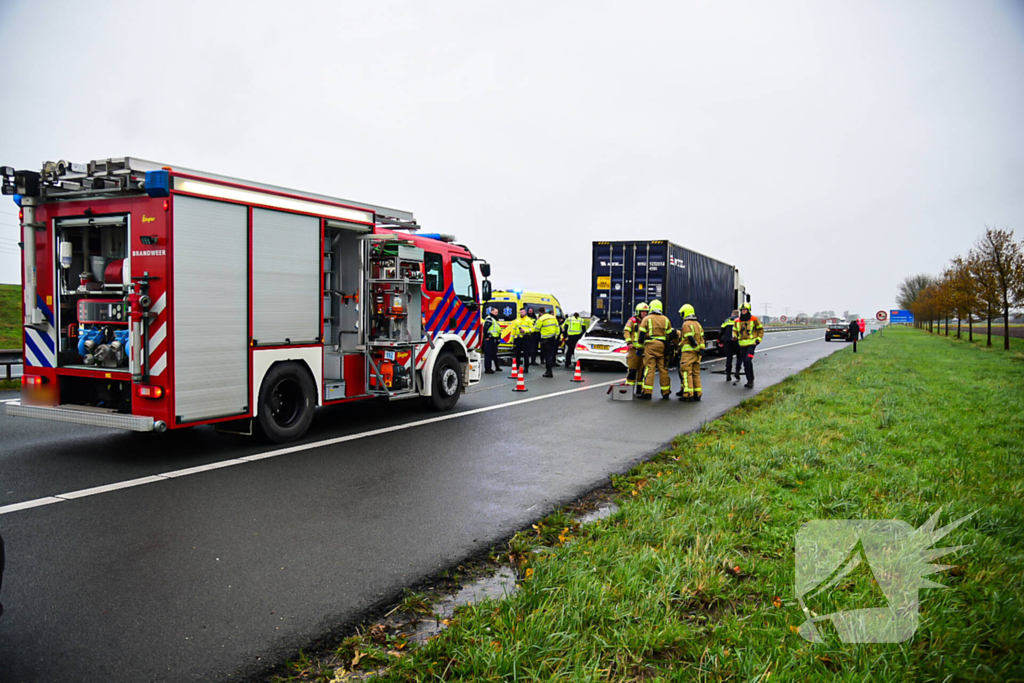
[[837, 331], [603, 343]]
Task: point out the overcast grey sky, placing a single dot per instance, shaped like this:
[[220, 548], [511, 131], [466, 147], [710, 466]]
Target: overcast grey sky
[[827, 149]]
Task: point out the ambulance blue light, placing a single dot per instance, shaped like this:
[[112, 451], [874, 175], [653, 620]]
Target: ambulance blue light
[[158, 183]]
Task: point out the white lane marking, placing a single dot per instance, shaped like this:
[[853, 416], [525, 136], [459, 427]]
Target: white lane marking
[[30, 504], [60, 498], [84, 493], [73, 495]]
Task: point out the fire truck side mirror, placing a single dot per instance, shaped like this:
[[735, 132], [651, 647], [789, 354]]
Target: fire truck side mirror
[[485, 269], [487, 290]]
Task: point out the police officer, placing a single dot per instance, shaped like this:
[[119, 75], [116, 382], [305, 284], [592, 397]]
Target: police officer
[[654, 334], [533, 340], [492, 336], [692, 348], [727, 339], [547, 329], [521, 334], [634, 356], [572, 328], [749, 332]]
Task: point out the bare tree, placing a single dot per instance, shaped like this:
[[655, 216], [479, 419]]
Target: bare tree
[[1004, 260], [910, 289]]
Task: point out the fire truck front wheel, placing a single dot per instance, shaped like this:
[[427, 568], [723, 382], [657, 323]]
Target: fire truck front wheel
[[287, 400], [446, 384]]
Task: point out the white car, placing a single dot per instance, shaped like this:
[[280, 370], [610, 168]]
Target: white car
[[602, 343]]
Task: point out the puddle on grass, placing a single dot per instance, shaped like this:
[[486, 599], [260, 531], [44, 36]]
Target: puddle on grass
[[497, 585], [603, 510], [488, 582]]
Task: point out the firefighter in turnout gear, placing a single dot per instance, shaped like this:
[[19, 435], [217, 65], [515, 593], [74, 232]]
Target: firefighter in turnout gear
[[521, 335], [492, 337], [692, 350], [547, 329], [655, 331], [749, 332], [634, 357], [572, 330]]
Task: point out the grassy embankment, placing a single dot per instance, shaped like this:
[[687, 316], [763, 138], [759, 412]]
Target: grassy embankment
[[10, 326], [693, 579]]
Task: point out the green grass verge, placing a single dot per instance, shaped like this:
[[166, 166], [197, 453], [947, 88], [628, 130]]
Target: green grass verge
[[910, 423], [10, 316]]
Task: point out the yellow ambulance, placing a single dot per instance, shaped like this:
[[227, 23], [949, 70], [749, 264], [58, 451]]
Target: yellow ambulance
[[510, 302]]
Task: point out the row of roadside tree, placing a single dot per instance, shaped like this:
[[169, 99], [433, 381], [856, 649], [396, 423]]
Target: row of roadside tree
[[986, 284]]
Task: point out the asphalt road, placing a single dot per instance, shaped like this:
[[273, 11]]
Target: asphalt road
[[218, 572]]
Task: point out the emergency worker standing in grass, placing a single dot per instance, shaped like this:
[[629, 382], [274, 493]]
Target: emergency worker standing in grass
[[634, 356], [692, 347], [654, 334], [749, 333]]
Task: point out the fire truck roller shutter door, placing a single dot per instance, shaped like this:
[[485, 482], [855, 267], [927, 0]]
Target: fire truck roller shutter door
[[211, 311], [285, 277]]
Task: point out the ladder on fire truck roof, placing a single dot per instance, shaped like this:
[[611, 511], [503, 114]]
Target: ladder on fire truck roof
[[110, 177]]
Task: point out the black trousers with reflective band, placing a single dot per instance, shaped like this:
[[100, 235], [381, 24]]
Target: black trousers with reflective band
[[746, 358]]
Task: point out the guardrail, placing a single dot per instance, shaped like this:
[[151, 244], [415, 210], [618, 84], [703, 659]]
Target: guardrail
[[11, 357]]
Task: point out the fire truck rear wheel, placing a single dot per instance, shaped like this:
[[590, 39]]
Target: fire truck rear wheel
[[287, 401], [446, 384]]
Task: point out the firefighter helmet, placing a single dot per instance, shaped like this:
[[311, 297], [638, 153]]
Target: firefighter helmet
[[641, 307], [745, 305], [656, 306], [686, 310]]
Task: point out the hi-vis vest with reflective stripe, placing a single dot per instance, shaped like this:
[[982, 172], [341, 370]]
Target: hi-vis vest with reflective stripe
[[749, 332], [523, 326], [547, 325], [656, 327], [573, 326], [491, 328], [692, 327]]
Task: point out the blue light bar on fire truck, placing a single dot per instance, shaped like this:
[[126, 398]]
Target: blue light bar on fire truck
[[235, 194]]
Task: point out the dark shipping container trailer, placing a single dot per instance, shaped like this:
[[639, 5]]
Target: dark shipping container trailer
[[627, 273]]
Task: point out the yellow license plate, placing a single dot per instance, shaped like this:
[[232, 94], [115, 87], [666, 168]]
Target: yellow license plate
[[600, 347]]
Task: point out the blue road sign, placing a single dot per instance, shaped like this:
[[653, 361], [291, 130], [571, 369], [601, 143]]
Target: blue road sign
[[901, 316]]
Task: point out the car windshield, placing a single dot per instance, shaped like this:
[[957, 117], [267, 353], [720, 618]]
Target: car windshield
[[605, 329]]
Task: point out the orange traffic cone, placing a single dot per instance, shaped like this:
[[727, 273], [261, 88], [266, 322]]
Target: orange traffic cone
[[521, 384], [514, 371], [577, 377]]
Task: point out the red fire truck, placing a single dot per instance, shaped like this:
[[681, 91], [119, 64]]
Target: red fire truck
[[157, 297]]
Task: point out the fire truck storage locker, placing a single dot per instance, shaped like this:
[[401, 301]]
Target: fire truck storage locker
[[285, 278], [211, 309]]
